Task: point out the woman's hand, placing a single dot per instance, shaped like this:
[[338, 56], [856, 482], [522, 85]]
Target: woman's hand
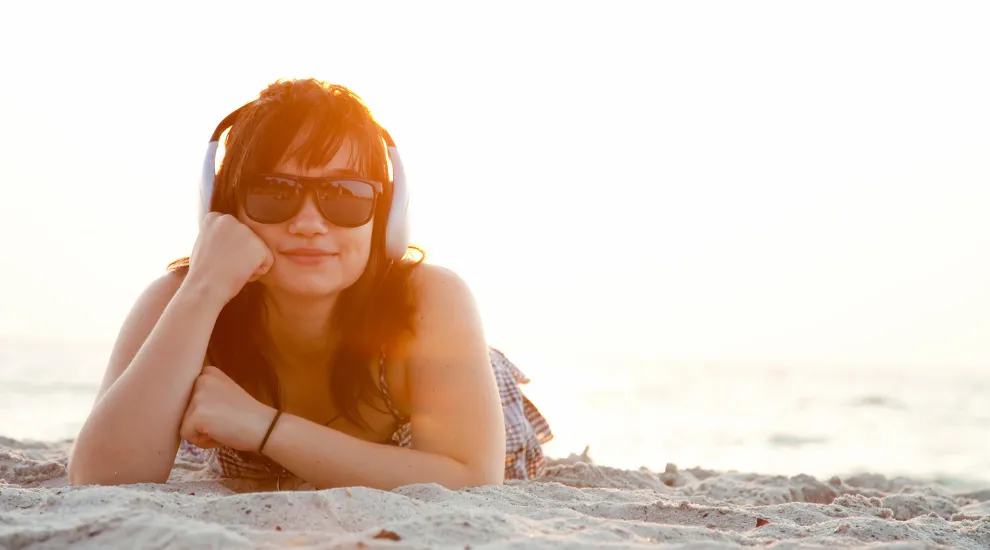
[[221, 413], [227, 255]]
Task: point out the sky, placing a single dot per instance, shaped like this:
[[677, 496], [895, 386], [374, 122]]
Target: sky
[[788, 183]]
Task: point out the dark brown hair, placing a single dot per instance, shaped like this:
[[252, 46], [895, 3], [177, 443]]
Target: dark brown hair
[[372, 315]]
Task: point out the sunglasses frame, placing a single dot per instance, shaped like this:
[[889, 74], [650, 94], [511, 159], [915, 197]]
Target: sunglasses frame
[[310, 185]]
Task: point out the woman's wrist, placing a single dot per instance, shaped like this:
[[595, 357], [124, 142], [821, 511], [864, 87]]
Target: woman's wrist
[[271, 428], [203, 294]]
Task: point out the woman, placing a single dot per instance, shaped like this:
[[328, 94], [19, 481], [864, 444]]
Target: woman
[[294, 343]]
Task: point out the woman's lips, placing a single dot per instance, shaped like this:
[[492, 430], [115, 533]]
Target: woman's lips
[[308, 256]]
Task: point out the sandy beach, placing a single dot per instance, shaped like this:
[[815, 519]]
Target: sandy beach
[[576, 504]]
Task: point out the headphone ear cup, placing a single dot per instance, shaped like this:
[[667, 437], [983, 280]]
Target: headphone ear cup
[[397, 228], [209, 174], [206, 182]]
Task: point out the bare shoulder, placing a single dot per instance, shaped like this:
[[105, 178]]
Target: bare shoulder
[[433, 278], [441, 293], [447, 323]]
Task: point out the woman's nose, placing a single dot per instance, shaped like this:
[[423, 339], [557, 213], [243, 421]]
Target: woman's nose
[[309, 220]]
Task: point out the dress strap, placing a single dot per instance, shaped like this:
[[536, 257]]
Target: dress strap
[[384, 390]]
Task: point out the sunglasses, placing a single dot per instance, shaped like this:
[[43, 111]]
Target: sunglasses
[[344, 201]]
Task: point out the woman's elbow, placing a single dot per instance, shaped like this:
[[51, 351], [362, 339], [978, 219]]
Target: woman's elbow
[[80, 475], [82, 471], [84, 478], [480, 476], [76, 469], [79, 478], [497, 479]]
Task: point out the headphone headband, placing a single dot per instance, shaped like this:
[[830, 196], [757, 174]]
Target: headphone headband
[[397, 225]]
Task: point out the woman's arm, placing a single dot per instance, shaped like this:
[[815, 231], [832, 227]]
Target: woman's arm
[[456, 414], [131, 434]]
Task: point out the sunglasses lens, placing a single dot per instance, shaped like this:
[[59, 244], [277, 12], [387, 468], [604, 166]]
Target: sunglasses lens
[[270, 199], [276, 199], [347, 203]]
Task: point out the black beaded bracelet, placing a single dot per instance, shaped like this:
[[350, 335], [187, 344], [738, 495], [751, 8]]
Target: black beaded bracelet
[[269, 433]]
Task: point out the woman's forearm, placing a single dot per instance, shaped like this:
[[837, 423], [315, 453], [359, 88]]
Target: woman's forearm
[[131, 435], [328, 458]]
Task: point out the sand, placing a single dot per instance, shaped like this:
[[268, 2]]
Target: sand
[[577, 504]]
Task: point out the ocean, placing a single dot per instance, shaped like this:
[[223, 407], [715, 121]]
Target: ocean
[[927, 424]]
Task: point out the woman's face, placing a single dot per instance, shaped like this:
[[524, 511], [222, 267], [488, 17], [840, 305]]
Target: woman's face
[[312, 256]]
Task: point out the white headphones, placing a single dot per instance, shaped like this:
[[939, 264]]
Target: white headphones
[[397, 225]]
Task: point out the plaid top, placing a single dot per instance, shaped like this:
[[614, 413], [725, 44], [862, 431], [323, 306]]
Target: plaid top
[[525, 432]]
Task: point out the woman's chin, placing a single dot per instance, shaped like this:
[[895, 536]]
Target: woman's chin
[[314, 287]]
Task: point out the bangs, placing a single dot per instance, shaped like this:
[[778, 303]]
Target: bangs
[[313, 136]]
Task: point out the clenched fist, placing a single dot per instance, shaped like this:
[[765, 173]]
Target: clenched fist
[[227, 255], [221, 413]]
